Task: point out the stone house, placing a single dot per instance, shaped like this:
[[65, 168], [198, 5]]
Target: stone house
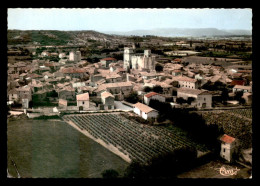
[[154, 96], [13, 95], [24, 93], [67, 93], [83, 101], [120, 89], [107, 100], [145, 111], [113, 78], [228, 147], [203, 99], [106, 61], [188, 82]]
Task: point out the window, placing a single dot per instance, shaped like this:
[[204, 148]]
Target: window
[[224, 150], [204, 99], [83, 103]]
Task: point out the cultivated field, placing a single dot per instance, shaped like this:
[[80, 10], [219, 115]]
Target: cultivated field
[[132, 139], [236, 123]]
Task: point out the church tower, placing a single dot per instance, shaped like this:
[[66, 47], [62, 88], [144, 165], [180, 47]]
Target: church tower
[[128, 52]]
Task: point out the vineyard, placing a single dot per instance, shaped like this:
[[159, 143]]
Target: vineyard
[[236, 123], [140, 142]]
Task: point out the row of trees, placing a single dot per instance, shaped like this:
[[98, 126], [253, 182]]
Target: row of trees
[[193, 123]]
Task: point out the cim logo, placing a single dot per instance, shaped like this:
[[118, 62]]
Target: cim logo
[[227, 172]]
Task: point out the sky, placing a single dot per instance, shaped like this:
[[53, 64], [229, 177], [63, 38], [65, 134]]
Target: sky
[[127, 19]]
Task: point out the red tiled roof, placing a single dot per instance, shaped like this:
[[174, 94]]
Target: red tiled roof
[[108, 59], [227, 139], [150, 94], [237, 82], [177, 59], [73, 70]]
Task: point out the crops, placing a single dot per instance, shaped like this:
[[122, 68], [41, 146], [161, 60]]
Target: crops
[[236, 123], [140, 142], [247, 113]]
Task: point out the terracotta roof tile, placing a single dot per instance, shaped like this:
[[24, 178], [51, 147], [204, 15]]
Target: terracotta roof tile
[[83, 97], [143, 107], [227, 139], [150, 94]]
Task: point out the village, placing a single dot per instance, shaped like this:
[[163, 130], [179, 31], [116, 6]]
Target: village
[[141, 85]]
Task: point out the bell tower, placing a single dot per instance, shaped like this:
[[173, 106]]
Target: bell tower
[[128, 52]]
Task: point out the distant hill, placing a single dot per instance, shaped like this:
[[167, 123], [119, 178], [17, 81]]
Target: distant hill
[[55, 37], [182, 32]]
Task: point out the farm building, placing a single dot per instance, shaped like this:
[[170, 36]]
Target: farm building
[[67, 93], [188, 82], [203, 99], [228, 147], [153, 95], [238, 88], [145, 111], [108, 100], [106, 61], [83, 101], [121, 88]]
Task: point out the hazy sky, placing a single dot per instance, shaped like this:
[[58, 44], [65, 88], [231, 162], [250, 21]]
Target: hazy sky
[[127, 19]]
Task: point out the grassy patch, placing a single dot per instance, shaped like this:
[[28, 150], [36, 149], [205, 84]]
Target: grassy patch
[[50, 149]]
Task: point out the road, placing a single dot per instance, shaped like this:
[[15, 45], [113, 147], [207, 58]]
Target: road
[[120, 105]]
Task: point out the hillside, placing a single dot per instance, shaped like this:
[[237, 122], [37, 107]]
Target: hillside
[[54, 37]]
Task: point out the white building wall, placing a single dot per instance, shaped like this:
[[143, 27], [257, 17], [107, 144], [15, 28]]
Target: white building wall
[[226, 151], [155, 97], [137, 111], [153, 114], [72, 56], [188, 84], [85, 104], [186, 95], [204, 99]]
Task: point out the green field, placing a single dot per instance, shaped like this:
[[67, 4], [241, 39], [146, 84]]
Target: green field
[[53, 149]]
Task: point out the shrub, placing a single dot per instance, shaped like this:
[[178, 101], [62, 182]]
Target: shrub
[[110, 173]]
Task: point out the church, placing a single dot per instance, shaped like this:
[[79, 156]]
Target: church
[[138, 61]]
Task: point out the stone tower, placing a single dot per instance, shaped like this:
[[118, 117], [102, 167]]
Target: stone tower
[[128, 52], [147, 53]]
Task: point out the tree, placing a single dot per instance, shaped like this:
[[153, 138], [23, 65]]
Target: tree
[[110, 173], [53, 93], [158, 67], [190, 99], [147, 89], [242, 101], [180, 100], [132, 97], [175, 84], [158, 89], [238, 95], [224, 95], [166, 165]]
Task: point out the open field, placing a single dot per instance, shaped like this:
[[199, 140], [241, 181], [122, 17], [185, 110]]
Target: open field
[[132, 140], [53, 149]]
